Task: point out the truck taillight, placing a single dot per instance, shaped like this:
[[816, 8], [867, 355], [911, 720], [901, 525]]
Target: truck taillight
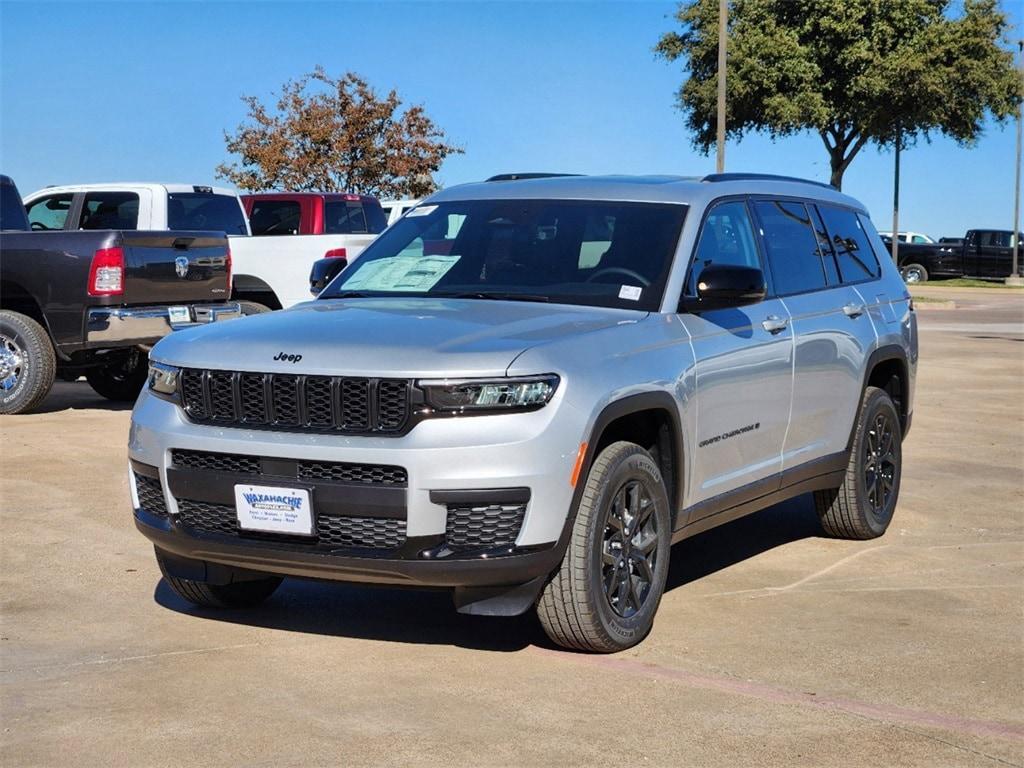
[[106, 273], [227, 264], [336, 253]]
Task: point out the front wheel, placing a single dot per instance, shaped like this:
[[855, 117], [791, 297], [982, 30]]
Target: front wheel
[[605, 594], [862, 507], [121, 380]]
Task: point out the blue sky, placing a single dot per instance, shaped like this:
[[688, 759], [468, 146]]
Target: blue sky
[[143, 91]]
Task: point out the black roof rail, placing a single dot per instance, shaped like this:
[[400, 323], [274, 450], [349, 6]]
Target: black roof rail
[[763, 177], [521, 176]]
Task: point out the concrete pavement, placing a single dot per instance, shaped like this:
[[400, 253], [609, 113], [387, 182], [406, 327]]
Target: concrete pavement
[[773, 646]]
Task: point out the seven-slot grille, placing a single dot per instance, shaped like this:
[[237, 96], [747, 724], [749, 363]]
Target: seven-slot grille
[[290, 401]]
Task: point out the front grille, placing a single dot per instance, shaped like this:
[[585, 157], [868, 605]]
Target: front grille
[[218, 462], [371, 474], [333, 471], [289, 401], [151, 495], [332, 532], [477, 526]]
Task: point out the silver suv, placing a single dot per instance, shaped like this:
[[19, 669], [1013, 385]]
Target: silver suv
[[526, 390]]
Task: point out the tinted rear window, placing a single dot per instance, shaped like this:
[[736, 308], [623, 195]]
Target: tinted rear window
[[792, 247], [353, 217], [199, 210], [850, 244], [275, 217], [110, 210]]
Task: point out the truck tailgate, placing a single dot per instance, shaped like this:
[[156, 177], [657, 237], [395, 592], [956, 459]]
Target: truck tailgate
[[175, 267]]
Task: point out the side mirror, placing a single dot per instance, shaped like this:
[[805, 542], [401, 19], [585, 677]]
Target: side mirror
[[724, 286], [323, 271]]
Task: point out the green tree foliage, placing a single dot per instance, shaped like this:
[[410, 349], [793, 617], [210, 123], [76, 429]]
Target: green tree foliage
[[332, 134], [854, 71]]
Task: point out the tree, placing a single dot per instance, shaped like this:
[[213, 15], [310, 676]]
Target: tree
[[336, 135], [854, 71]]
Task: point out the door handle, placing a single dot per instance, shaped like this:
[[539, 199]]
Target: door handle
[[853, 310], [774, 324]]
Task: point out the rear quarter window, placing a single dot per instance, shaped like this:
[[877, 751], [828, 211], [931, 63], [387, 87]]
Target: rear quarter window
[[850, 243], [275, 217]]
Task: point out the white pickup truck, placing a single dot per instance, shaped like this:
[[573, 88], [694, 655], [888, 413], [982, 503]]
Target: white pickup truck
[[267, 272]]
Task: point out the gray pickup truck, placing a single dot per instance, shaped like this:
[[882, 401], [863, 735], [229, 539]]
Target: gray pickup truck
[[93, 302]]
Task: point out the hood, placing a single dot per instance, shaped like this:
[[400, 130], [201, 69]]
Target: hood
[[397, 337]]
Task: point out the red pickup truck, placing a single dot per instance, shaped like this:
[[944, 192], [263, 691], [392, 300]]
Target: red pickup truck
[[313, 213]]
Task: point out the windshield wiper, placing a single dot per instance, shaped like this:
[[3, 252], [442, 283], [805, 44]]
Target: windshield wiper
[[494, 295], [349, 295]]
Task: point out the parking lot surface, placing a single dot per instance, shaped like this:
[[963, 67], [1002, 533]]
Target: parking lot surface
[[773, 646]]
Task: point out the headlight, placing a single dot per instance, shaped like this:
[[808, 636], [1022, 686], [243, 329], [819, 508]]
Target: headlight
[[163, 379], [476, 395]]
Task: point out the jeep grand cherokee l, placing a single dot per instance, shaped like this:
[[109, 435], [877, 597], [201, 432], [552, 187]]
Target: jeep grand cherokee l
[[527, 390]]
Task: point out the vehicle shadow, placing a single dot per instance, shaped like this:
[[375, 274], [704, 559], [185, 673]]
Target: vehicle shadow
[[732, 543], [79, 396], [428, 617]]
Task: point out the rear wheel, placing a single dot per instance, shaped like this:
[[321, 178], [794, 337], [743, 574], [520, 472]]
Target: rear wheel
[[28, 363], [605, 594], [914, 273], [253, 308], [862, 507], [122, 379], [239, 594]]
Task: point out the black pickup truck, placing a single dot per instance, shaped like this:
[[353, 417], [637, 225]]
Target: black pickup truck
[[981, 253], [93, 302]]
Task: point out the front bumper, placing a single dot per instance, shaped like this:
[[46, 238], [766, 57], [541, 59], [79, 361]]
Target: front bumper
[[105, 326], [517, 460]]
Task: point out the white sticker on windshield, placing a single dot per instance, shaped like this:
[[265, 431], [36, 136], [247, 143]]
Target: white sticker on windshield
[[422, 210], [400, 273], [630, 292]]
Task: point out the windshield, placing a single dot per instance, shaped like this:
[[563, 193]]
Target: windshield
[[199, 210], [608, 254]]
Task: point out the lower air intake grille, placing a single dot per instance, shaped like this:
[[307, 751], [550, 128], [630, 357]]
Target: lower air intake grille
[[483, 526], [332, 532], [151, 495], [365, 532], [218, 462]]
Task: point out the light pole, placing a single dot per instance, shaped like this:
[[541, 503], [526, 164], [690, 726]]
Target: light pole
[[1015, 278], [723, 23], [896, 202]]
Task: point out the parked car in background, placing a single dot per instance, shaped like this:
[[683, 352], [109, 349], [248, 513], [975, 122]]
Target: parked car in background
[[92, 301], [525, 391], [269, 273], [980, 253], [907, 237], [313, 213], [395, 209]]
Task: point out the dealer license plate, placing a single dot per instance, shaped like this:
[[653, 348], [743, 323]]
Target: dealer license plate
[[274, 510]]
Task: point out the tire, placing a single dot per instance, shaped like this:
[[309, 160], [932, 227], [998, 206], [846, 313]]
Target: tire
[[28, 363], [239, 594], [122, 380], [253, 308], [862, 507], [914, 273], [576, 608]]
